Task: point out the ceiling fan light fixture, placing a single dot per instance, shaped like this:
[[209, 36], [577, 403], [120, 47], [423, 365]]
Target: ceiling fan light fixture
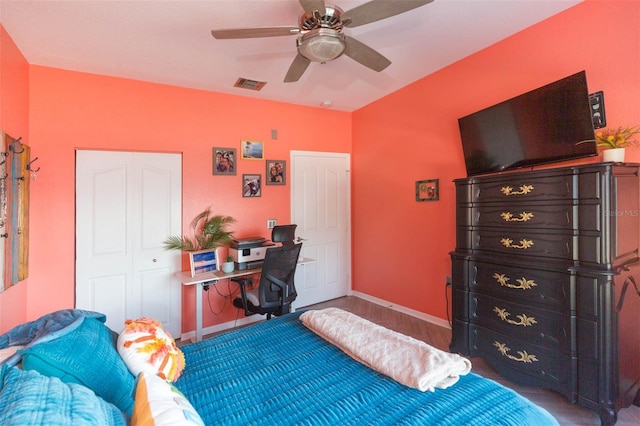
[[321, 45]]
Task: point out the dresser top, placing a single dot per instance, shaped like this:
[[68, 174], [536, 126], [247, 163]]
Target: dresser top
[[623, 168]]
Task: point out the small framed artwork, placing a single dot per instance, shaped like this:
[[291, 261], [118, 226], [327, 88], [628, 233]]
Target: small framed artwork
[[427, 190], [251, 185], [596, 100], [224, 161], [252, 150], [203, 261], [276, 173]]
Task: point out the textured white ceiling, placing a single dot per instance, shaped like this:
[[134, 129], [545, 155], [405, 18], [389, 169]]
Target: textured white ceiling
[[170, 42]]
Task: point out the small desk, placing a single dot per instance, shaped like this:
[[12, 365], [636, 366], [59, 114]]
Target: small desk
[[213, 277]]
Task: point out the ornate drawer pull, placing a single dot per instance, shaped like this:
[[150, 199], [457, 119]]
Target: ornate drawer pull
[[524, 217], [524, 356], [524, 190], [523, 283], [524, 244], [524, 320]]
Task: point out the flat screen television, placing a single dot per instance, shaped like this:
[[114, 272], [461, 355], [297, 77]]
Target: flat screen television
[[537, 127]]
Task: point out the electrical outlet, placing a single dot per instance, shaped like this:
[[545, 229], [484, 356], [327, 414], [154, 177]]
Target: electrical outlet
[[448, 280], [271, 223]]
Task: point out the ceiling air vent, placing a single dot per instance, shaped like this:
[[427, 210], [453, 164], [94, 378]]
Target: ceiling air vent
[[245, 83]]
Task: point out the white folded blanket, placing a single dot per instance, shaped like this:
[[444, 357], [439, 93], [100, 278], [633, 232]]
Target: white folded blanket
[[403, 358]]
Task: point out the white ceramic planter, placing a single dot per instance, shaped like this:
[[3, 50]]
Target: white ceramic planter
[[227, 267], [616, 155]]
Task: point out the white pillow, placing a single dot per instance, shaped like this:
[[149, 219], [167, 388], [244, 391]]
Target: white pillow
[[159, 403], [146, 347]]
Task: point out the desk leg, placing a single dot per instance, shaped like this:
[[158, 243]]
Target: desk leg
[[198, 312]]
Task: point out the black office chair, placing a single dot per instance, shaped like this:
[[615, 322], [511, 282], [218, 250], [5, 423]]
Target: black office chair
[[276, 290]]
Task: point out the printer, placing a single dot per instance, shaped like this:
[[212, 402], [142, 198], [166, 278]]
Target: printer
[[249, 253]]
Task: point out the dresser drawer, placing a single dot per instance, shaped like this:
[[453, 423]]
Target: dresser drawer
[[518, 216], [524, 362], [531, 216], [517, 243], [525, 285], [516, 187], [590, 249], [531, 324]]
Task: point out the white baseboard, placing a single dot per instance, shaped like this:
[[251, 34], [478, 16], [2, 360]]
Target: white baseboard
[[412, 312], [191, 335]]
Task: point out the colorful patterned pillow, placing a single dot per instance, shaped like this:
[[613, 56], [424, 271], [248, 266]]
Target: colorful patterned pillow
[[146, 347], [29, 398], [159, 403]]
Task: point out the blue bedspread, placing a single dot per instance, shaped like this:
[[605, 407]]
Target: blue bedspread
[[278, 372]]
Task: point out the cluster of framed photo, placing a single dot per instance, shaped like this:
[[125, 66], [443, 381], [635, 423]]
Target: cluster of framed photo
[[225, 162]]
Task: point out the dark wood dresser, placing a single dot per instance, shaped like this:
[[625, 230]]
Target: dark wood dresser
[[545, 280]]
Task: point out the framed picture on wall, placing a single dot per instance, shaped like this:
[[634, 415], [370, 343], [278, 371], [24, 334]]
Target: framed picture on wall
[[203, 261], [224, 161], [427, 190], [276, 173], [251, 185], [252, 150]]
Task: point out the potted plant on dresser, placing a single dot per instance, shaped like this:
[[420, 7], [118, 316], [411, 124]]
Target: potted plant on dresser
[[209, 232], [614, 142]]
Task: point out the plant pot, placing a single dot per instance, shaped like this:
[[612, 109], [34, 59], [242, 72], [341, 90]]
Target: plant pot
[[228, 267], [616, 155]]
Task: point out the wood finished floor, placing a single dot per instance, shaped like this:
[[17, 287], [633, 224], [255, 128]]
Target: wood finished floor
[[563, 411]]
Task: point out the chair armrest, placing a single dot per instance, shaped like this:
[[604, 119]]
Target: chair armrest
[[277, 281]]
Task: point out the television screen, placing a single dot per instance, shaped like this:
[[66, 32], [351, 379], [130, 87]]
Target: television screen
[[540, 126]]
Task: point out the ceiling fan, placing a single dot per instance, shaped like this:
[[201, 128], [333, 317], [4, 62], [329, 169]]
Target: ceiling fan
[[321, 38]]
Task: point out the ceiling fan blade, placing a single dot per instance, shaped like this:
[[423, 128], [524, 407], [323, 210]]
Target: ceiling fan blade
[[297, 68], [254, 32], [310, 5], [365, 55], [376, 10]]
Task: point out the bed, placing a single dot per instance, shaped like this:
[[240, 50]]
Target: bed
[[279, 372], [272, 372]]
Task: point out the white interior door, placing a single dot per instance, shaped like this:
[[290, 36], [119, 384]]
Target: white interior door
[[126, 204], [321, 207]]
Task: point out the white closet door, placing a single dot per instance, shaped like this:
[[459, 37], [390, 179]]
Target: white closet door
[[320, 203], [126, 204]]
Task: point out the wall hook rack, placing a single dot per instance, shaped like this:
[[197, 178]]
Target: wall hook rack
[[16, 146], [31, 169]]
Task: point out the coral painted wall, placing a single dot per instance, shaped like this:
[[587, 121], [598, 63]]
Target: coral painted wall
[[14, 120], [71, 110], [413, 135]]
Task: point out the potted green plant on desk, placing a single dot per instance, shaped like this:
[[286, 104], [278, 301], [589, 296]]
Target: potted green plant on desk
[[209, 232], [229, 265]]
